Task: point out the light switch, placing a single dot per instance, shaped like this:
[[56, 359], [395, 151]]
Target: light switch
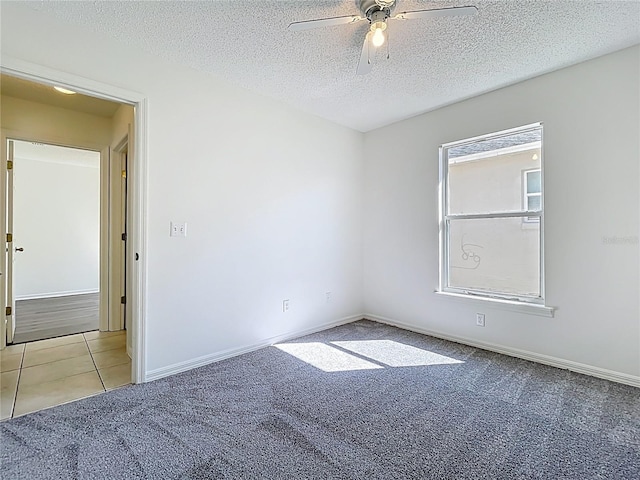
[[178, 229]]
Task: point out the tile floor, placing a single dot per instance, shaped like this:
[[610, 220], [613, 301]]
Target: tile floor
[[43, 374]]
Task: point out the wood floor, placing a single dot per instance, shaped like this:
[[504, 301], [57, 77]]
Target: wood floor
[[53, 317]]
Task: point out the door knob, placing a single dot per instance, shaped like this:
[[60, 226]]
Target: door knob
[[19, 249]]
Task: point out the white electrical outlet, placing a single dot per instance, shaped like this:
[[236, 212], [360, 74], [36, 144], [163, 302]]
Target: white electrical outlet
[[480, 319], [285, 305], [327, 297]]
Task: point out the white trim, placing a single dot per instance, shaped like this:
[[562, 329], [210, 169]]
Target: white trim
[[49, 76], [233, 352], [502, 304], [68, 293], [115, 267], [562, 363], [104, 239], [139, 202], [477, 216], [3, 232]]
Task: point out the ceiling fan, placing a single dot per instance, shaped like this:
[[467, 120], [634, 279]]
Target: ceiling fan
[[377, 12]]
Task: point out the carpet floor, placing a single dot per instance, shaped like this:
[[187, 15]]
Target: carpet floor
[[360, 401]]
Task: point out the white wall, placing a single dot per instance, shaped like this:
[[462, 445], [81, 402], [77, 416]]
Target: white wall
[[272, 198], [54, 123], [120, 124], [591, 147], [57, 222]]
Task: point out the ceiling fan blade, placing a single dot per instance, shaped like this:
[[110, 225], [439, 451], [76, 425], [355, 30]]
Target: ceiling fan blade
[[323, 22], [437, 12], [364, 65]]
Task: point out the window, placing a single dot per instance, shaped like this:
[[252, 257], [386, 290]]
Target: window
[[491, 186], [532, 189]]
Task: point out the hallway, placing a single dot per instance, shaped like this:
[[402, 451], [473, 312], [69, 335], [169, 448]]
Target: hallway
[[43, 318], [47, 373]]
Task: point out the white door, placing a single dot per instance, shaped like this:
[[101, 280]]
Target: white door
[[10, 300], [130, 248], [123, 243]]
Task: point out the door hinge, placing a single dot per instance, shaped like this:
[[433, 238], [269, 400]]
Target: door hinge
[[123, 300], [7, 311], [9, 238], [9, 164], [124, 237], [124, 174]]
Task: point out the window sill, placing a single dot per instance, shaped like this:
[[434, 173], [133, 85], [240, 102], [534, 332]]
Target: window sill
[[511, 305]]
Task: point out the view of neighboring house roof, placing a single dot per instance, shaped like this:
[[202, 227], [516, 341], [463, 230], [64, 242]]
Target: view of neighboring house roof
[[497, 143]]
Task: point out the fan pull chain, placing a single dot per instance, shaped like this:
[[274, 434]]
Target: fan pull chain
[[387, 44]]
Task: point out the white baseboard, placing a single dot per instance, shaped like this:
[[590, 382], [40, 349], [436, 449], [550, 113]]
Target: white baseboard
[[35, 296], [233, 352], [515, 352]]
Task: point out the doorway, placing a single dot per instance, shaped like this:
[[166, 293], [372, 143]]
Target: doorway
[[60, 203], [56, 232], [101, 344]]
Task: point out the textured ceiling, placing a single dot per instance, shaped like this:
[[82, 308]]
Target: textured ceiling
[[36, 92], [433, 62]]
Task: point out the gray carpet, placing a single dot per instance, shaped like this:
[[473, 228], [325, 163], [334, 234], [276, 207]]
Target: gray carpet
[[418, 407]]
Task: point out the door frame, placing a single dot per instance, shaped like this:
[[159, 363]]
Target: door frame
[[25, 136], [117, 269], [121, 262], [8, 153], [138, 192]]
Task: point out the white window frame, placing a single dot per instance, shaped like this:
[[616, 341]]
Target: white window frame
[[444, 222]]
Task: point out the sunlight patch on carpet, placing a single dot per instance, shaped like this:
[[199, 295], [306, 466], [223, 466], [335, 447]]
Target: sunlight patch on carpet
[[395, 354], [325, 357]]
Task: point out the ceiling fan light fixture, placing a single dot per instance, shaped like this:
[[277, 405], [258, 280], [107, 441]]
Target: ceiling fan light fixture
[[378, 28], [66, 91], [377, 12]]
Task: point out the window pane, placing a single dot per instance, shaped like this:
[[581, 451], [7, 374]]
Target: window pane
[[534, 202], [495, 255], [486, 176], [533, 182]]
